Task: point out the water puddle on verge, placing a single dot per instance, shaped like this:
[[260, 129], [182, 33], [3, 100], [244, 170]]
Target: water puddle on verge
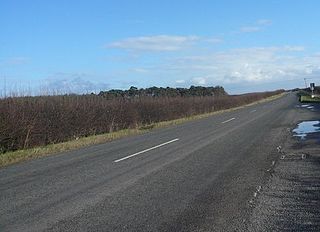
[[305, 128]]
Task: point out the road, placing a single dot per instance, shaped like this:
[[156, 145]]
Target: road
[[196, 176]]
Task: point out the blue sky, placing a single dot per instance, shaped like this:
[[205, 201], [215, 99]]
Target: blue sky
[[84, 46]]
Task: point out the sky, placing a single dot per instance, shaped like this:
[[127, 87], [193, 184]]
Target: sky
[[87, 46]]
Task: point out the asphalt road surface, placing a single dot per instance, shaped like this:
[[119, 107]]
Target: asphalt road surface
[[196, 176]]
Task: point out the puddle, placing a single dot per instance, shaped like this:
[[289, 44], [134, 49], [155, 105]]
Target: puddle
[[305, 128]]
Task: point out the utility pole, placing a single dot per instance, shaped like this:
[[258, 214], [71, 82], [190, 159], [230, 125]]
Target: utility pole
[[305, 81]]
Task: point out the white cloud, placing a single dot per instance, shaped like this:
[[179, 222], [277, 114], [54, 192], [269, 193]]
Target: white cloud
[[255, 65], [140, 70], [154, 43], [294, 48], [264, 22], [248, 29], [199, 80], [62, 83], [256, 26], [242, 66], [180, 81]]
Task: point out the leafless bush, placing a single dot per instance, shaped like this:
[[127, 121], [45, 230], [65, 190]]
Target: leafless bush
[[27, 122]]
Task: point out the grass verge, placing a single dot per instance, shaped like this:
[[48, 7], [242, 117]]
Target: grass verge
[[27, 154], [308, 99]]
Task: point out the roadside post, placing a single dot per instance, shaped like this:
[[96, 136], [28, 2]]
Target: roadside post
[[312, 88]]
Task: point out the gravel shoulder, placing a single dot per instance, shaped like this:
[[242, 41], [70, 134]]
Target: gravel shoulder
[[290, 199]]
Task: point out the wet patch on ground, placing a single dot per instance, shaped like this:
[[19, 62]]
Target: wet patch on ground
[[306, 129]]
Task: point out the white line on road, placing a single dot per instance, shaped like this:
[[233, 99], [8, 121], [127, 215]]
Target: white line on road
[[252, 111], [149, 149], [229, 120]]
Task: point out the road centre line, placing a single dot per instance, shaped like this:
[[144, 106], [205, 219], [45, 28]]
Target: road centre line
[[253, 111], [146, 150], [229, 120]]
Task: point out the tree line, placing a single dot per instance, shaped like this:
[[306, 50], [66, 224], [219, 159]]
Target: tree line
[[193, 91]]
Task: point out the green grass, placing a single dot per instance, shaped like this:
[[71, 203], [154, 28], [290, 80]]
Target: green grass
[[307, 98], [9, 158]]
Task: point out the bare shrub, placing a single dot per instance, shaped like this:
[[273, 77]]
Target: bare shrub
[[27, 122]]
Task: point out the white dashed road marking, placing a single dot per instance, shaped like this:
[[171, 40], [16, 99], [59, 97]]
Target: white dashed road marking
[[146, 150], [229, 120]]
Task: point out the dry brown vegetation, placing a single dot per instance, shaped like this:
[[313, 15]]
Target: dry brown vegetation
[[27, 122]]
